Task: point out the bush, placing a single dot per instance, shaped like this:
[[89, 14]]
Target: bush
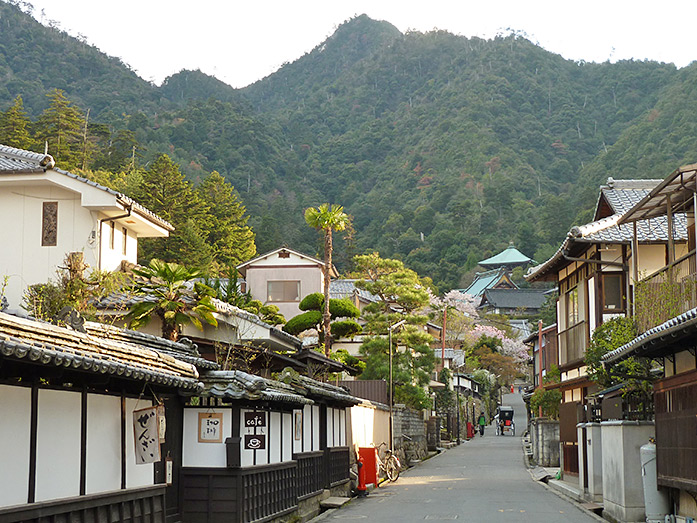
[[313, 302], [345, 329], [549, 400], [302, 322], [343, 308]]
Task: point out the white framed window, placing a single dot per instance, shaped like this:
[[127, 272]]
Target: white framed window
[[283, 290]]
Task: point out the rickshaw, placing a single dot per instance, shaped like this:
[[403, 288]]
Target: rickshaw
[[504, 421]]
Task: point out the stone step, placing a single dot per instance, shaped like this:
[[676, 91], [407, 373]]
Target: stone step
[[333, 502]]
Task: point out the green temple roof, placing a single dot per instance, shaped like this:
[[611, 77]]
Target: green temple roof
[[510, 257]]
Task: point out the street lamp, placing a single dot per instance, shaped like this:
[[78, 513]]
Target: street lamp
[[389, 337], [458, 407]]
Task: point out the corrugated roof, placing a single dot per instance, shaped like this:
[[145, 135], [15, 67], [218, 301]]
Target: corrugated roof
[[43, 343], [19, 161]]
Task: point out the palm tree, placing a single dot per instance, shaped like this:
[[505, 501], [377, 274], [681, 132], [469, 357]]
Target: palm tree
[[327, 218], [168, 294]]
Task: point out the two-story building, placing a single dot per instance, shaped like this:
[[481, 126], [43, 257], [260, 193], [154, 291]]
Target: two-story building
[[595, 269], [49, 212], [283, 277], [666, 316]]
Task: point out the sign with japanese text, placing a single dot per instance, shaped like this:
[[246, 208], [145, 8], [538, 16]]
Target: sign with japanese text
[[254, 419], [147, 435], [210, 427], [254, 442]]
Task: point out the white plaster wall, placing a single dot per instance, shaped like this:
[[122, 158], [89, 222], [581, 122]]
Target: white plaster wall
[[369, 426], [287, 448], [650, 259], [15, 431], [58, 444], [137, 474], [310, 278], [27, 262], [297, 444], [315, 427], [592, 319], [623, 495], [684, 361], [195, 454], [342, 427], [307, 428], [276, 437], [103, 443], [111, 258]]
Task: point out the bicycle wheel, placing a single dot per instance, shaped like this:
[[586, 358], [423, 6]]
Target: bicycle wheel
[[392, 470]]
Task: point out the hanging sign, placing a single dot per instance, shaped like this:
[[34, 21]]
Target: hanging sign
[[210, 427], [161, 423], [255, 419], [254, 442], [146, 433]]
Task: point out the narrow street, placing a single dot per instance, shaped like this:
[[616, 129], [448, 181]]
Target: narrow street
[[482, 480]]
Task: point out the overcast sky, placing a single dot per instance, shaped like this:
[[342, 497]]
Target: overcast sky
[[243, 41]]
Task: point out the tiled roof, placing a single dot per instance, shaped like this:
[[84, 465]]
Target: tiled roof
[[621, 195], [514, 298], [671, 330], [483, 281], [42, 343], [317, 389], [234, 385], [347, 288], [19, 161]]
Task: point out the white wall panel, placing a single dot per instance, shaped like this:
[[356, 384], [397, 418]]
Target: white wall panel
[[195, 454], [103, 443], [137, 474], [315, 427], [275, 437], [15, 413], [342, 427], [297, 443], [58, 445], [307, 428], [287, 450]]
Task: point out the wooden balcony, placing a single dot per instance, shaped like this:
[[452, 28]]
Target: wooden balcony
[[667, 293], [572, 344]]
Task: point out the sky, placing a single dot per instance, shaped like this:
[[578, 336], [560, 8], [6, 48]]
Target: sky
[[240, 42]]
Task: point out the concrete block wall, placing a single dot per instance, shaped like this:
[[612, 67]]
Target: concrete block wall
[[409, 433], [544, 436]]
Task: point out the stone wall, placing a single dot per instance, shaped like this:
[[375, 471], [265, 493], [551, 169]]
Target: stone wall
[[544, 437], [409, 434]]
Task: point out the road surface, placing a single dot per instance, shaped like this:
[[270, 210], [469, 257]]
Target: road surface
[[482, 480]]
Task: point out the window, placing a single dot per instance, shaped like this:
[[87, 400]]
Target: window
[[283, 291], [572, 316], [49, 224], [613, 295], [124, 232]]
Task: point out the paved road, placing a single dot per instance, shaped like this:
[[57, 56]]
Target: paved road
[[482, 480]]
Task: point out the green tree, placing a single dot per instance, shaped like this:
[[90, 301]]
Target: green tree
[[327, 218], [14, 126], [167, 293], [403, 296], [228, 233], [62, 125], [312, 318], [165, 192]]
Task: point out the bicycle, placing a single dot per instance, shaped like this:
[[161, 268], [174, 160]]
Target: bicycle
[[389, 466]]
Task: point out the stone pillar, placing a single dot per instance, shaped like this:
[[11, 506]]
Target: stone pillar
[[623, 494]]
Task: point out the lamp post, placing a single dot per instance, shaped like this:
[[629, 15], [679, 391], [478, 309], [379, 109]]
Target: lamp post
[[458, 408], [389, 337]]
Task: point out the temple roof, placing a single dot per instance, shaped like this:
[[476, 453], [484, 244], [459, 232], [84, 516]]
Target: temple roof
[[510, 256]]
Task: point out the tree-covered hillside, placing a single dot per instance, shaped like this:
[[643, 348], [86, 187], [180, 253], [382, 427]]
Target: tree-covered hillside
[[442, 148]]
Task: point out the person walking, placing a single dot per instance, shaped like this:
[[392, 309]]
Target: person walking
[[481, 422]]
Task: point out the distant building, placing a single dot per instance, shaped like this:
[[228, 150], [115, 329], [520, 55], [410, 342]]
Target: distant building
[[509, 259]]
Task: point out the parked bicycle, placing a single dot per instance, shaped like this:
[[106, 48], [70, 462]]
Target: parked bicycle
[[388, 466]]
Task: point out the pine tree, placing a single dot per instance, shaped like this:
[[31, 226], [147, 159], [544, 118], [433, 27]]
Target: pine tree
[[14, 126], [62, 125], [229, 234]]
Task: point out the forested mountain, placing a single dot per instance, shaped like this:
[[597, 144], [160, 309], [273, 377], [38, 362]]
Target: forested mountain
[[442, 148]]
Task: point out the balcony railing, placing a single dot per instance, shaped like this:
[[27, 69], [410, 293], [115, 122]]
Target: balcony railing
[[667, 293], [572, 343]]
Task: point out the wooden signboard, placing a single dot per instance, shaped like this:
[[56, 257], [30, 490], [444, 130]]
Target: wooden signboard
[[210, 427], [147, 435]]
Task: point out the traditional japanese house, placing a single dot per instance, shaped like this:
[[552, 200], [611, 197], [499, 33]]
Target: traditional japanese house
[[666, 315], [544, 339], [81, 438], [595, 269]]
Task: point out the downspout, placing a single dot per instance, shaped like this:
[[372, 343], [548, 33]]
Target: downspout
[[99, 233]]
